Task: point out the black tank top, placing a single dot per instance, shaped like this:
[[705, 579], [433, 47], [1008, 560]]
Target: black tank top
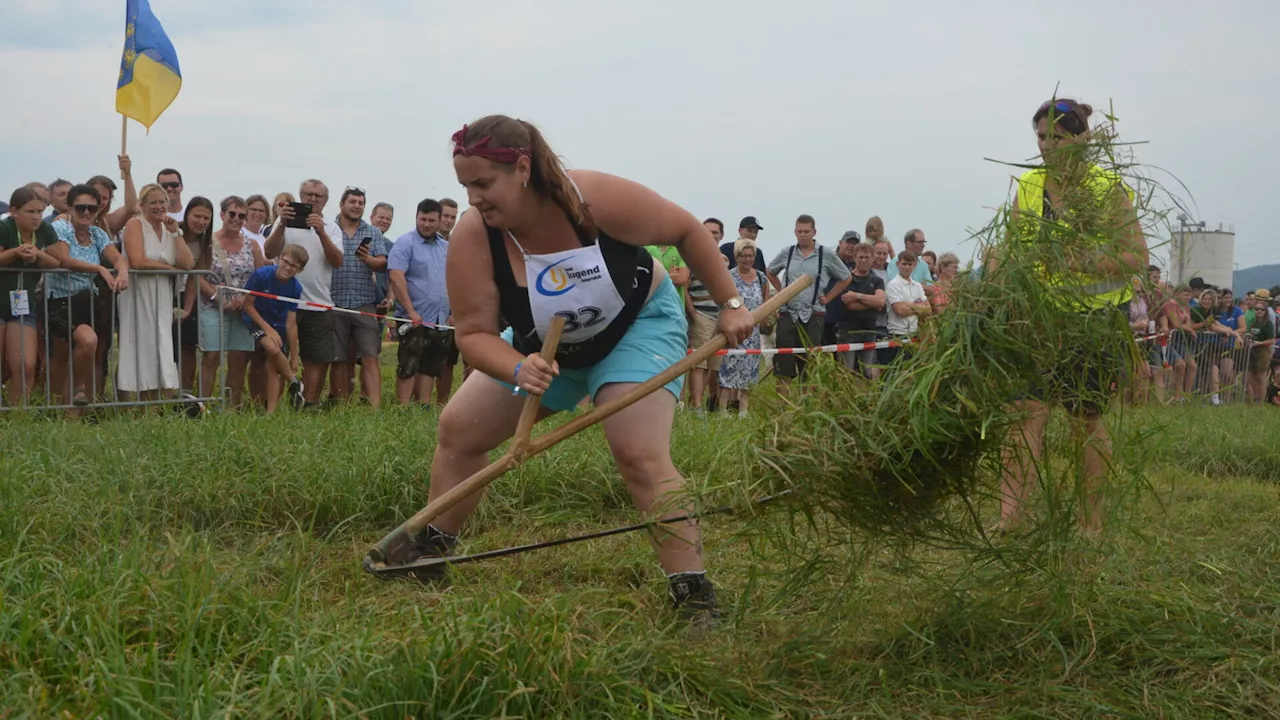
[[630, 267]]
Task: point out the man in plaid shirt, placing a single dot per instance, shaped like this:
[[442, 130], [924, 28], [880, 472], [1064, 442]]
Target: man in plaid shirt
[[364, 252]]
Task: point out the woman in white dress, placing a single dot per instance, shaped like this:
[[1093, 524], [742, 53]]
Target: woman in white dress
[[151, 242]]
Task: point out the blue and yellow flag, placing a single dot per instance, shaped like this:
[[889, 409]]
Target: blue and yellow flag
[[149, 74]]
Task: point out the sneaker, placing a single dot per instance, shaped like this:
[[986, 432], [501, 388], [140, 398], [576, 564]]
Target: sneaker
[[694, 597], [1215, 400], [295, 394], [190, 406]]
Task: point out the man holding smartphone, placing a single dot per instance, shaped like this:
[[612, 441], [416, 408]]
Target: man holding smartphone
[[317, 338], [364, 253]]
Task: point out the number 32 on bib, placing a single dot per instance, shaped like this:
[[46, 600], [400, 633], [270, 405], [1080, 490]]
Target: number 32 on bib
[[585, 317]]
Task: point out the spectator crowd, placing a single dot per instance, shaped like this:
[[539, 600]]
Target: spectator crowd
[[283, 299]]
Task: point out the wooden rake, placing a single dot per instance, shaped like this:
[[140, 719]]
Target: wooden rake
[[391, 554]]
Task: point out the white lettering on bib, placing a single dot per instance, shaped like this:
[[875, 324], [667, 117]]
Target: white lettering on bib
[[575, 285]]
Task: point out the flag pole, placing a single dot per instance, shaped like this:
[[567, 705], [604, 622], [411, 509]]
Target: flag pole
[[124, 134]]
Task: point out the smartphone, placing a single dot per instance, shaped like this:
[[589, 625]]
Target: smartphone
[[301, 211], [365, 243]]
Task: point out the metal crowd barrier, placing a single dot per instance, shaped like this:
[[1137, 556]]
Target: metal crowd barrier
[[107, 358], [1221, 363]]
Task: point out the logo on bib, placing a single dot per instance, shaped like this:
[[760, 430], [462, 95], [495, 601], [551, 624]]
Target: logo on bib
[[553, 281]]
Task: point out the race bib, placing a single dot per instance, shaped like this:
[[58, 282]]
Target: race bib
[[574, 285], [19, 304]]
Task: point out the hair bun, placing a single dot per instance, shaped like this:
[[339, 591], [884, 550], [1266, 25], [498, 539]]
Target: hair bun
[[1086, 109]]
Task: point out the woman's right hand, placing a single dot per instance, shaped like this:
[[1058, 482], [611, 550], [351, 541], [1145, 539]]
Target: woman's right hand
[[536, 374]]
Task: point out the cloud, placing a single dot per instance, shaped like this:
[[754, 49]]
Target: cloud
[[840, 110]]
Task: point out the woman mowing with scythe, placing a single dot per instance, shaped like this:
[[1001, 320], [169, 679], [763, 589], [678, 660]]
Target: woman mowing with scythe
[[549, 243], [1076, 221]]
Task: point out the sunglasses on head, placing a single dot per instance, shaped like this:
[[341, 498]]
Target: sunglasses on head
[[353, 190], [1061, 106], [170, 185], [91, 209]]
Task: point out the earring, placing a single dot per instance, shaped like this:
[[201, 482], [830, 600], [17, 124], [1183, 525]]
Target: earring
[[526, 183]]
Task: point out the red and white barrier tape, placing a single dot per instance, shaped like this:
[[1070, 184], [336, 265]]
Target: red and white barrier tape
[[840, 347], [307, 303], [853, 347]]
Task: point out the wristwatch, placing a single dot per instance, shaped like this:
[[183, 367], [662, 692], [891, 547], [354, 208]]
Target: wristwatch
[[732, 303]]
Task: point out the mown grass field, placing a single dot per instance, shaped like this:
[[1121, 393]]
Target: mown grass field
[[166, 567]]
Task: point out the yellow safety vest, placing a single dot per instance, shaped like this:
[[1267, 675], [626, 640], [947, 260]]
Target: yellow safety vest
[[1090, 290]]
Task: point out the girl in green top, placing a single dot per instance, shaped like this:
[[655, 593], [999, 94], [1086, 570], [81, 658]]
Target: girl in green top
[[23, 237], [1261, 333]]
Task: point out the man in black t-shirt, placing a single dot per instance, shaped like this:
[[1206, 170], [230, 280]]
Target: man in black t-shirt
[[835, 308], [749, 228], [863, 302]]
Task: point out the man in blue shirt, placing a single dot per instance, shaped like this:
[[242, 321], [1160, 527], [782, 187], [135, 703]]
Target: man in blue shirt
[[915, 242], [416, 271], [364, 252]]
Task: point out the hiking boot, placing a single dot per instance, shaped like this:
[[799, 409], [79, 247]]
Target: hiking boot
[[694, 597], [428, 543], [432, 543]]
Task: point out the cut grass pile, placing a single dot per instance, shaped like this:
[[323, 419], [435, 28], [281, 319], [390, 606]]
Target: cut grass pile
[[175, 568]]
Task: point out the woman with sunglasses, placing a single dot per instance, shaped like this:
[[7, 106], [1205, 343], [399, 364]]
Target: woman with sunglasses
[[109, 221], [24, 239], [87, 251], [233, 260], [112, 222], [1091, 282]]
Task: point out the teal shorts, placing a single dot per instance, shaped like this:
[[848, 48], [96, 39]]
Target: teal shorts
[[658, 339], [234, 337]]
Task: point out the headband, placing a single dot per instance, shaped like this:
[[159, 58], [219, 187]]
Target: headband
[[482, 149]]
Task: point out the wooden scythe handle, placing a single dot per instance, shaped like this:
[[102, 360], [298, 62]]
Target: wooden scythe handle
[[529, 413], [387, 549]]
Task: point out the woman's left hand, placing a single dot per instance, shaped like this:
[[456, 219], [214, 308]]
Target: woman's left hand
[[736, 325]]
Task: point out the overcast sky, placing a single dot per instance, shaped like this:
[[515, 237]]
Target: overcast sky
[[838, 109]]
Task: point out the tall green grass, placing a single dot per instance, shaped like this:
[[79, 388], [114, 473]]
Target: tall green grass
[[165, 567]]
